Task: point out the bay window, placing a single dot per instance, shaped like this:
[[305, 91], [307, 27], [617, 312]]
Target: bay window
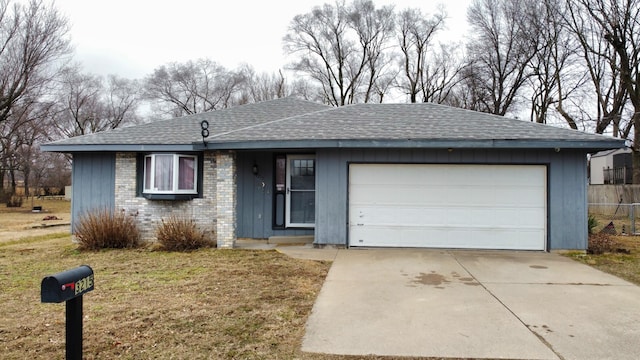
[[170, 174]]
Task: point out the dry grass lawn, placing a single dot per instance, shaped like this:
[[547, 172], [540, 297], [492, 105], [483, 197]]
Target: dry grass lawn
[[621, 264], [16, 223], [150, 304]]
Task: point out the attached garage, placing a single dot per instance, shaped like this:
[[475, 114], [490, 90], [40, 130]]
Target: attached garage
[[448, 206]]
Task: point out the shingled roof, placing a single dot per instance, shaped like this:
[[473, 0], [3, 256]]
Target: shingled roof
[[180, 133], [290, 123]]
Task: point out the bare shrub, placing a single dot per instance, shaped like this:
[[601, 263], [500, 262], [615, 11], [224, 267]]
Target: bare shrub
[[601, 243], [14, 201], [182, 234], [103, 229]]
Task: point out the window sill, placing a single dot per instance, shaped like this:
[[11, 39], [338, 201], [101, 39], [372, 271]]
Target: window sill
[[170, 197]]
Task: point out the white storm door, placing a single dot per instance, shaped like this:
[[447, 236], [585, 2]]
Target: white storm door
[[301, 191]]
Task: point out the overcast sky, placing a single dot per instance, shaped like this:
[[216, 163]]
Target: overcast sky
[[130, 38]]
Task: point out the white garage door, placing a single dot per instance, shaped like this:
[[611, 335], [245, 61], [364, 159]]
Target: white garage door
[[448, 206]]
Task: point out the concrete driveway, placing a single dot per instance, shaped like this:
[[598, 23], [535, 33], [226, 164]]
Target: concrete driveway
[[473, 304]]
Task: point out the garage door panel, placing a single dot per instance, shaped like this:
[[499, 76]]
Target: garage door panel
[[440, 237], [521, 196], [406, 215], [417, 216], [412, 223], [522, 217], [451, 206], [370, 194], [484, 196], [445, 195], [387, 174]]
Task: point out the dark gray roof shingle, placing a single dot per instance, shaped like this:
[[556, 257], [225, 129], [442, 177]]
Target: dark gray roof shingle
[[186, 129], [292, 123], [424, 121]]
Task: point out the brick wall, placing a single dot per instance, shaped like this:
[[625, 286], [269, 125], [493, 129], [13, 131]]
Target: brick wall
[[150, 212], [225, 180]]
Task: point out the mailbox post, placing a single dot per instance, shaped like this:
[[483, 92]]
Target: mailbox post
[[69, 286]]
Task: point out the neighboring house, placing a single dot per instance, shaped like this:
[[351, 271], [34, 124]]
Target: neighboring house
[[396, 175], [611, 167]]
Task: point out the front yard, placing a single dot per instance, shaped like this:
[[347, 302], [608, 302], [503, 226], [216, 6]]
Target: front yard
[[151, 304]]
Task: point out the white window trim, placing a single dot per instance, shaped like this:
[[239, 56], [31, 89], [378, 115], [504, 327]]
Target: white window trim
[[288, 222], [176, 175]]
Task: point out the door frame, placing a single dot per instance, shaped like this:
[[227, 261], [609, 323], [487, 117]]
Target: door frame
[[289, 157]]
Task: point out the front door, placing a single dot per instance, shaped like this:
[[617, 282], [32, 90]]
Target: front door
[[301, 191]]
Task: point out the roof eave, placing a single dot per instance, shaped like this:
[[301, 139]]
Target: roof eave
[[71, 148], [587, 145]]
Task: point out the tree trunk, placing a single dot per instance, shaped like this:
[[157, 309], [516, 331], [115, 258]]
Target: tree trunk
[[636, 147], [26, 182], [12, 177]]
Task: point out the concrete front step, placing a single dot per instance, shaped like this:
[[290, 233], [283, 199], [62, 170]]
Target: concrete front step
[[290, 240]]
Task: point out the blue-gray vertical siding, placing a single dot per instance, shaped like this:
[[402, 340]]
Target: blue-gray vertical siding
[[93, 180], [567, 186], [94, 187], [255, 197]]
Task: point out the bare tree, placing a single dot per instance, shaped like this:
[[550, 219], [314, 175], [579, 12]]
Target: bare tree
[[33, 41], [25, 151], [193, 87], [343, 49], [374, 29], [263, 86], [416, 32], [33, 38], [79, 103], [442, 73], [21, 131], [325, 52], [600, 67], [502, 46], [619, 23], [121, 99], [556, 72], [50, 170], [86, 105]]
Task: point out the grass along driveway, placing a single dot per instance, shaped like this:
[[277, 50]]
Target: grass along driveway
[[623, 262]]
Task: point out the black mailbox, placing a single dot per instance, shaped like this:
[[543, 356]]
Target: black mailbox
[[66, 285]]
